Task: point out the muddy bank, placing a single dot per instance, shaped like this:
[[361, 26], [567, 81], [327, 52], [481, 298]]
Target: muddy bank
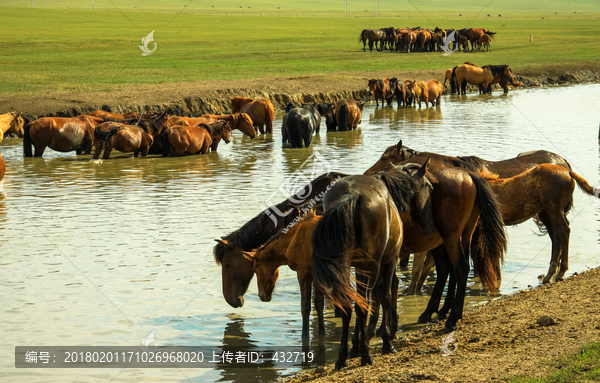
[[197, 98], [519, 334]]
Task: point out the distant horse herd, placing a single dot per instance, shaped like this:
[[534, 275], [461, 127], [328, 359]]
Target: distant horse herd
[[426, 40]]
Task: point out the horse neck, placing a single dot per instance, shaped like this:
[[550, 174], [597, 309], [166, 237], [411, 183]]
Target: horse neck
[[8, 125]]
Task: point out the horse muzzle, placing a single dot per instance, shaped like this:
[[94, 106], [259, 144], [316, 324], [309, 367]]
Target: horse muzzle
[[265, 297], [237, 302]]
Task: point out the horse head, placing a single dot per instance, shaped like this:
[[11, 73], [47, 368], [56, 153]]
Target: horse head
[[267, 272], [421, 206], [17, 124], [244, 123], [225, 131], [236, 271], [372, 85]]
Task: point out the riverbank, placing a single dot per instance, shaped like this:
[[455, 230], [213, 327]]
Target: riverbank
[[522, 334], [200, 97]]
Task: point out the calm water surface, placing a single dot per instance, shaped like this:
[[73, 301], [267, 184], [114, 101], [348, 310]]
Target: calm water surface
[[103, 252]]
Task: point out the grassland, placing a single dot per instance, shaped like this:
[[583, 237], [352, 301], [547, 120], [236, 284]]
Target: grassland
[[50, 49]]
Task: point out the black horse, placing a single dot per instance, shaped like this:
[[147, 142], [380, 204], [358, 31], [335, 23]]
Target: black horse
[[300, 124]]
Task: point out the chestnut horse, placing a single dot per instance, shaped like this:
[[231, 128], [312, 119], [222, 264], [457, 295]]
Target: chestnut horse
[[484, 41], [239, 121], [60, 134], [347, 115], [11, 122], [361, 228], [447, 77], [181, 139], [260, 111], [463, 74], [430, 92], [503, 75], [115, 116], [237, 271], [474, 34], [383, 90], [129, 138], [291, 248]]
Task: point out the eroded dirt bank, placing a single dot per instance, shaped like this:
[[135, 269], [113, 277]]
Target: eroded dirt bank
[[197, 98], [494, 341]]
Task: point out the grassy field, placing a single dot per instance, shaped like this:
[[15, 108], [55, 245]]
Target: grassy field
[[45, 49], [582, 366]]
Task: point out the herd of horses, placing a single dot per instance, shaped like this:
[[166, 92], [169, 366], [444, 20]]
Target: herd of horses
[[444, 209], [153, 133], [426, 40]]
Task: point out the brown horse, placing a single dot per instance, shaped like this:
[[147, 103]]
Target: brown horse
[[11, 122], [447, 77], [237, 271], [383, 89], [410, 40], [347, 115], [2, 167], [291, 248], [474, 34], [423, 40], [182, 139], [399, 153], [372, 36], [502, 75], [239, 121], [463, 74], [430, 92], [260, 111], [484, 41], [400, 93], [461, 199], [362, 228], [129, 138], [60, 134]]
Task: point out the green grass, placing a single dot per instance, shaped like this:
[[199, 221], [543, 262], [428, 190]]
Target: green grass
[[582, 366], [48, 50]]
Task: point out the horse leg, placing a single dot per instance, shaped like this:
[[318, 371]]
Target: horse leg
[[98, 149], [428, 265], [261, 129], [564, 232], [343, 352], [374, 317], [442, 266], [362, 288], [386, 275], [319, 302], [305, 282], [461, 273], [417, 270], [136, 153], [39, 150], [449, 300]]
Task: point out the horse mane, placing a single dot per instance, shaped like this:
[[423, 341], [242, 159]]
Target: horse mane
[[281, 233], [400, 185], [250, 236], [496, 69], [474, 160], [488, 175], [215, 128]]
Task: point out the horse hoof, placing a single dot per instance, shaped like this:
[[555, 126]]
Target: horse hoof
[[353, 353], [440, 317], [340, 364], [368, 360], [388, 349], [424, 319], [449, 329], [378, 332]]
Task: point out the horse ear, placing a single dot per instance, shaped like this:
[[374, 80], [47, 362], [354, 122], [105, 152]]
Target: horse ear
[[399, 145], [424, 168], [249, 255], [223, 242]]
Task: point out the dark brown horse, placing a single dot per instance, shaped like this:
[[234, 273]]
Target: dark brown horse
[[290, 248], [372, 36], [182, 139], [260, 111], [347, 115], [237, 271], [399, 153], [383, 89], [361, 228], [462, 198], [125, 138], [503, 75], [60, 134]]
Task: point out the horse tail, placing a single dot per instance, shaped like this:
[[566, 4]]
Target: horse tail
[[453, 81], [584, 185], [269, 113], [343, 117], [492, 241], [105, 135], [362, 36], [332, 237], [166, 145], [27, 152], [294, 128]]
